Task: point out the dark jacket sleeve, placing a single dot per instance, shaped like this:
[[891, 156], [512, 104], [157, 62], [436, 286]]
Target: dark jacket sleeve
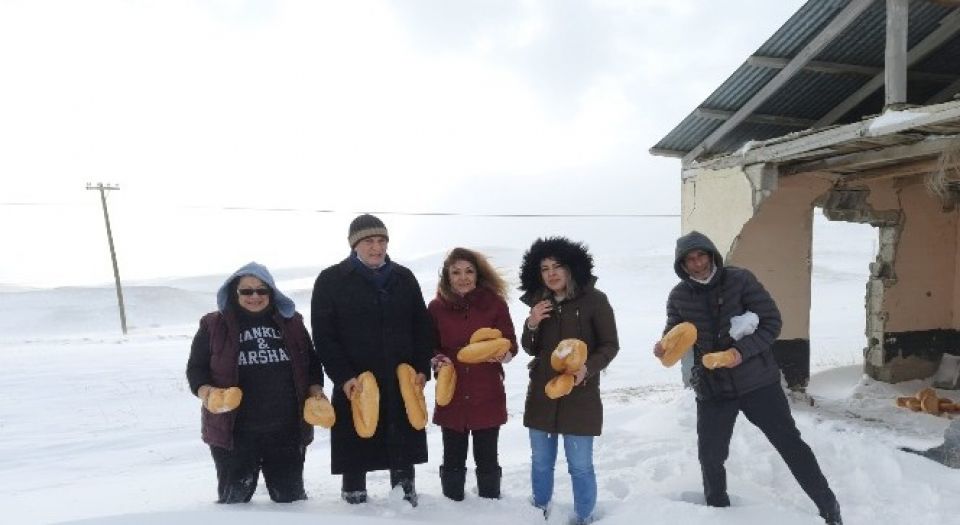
[[756, 299], [504, 323], [673, 313], [198, 364], [314, 367], [424, 341], [606, 341], [323, 319]]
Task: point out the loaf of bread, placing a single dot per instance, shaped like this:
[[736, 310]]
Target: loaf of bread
[[559, 386], [413, 400], [319, 412], [446, 384], [569, 356], [365, 405], [483, 351], [485, 334], [719, 359], [223, 400], [678, 341]]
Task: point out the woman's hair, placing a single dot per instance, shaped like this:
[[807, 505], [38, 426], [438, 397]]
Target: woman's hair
[[487, 275]]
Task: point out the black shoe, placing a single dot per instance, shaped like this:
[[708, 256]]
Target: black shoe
[[831, 515], [354, 497], [718, 500], [452, 480]]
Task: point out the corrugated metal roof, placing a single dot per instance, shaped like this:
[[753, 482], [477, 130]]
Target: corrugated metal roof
[[821, 86]]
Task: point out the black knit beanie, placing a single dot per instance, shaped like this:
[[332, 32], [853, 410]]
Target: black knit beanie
[[364, 226]]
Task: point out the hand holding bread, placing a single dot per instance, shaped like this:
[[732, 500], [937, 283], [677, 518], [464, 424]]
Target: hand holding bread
[[318, 411], [220, 400], [676, 342]]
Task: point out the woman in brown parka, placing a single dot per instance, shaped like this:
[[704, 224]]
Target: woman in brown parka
[[557, 279]]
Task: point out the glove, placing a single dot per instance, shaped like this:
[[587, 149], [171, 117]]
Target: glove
[[318, 411], [220, 400]]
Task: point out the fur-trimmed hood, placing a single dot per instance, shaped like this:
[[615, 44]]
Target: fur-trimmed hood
[[573, 255]]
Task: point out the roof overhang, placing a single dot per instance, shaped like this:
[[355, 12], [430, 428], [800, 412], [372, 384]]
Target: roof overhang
[[893, 144]]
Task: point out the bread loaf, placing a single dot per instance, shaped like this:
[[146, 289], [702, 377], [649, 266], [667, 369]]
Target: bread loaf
[[319, 412], [485, 334], [223, 400], [446, 384], [365, 405], [569, 356], [413, 401], [719, 359], [483, 351], [678, 341], [559, 386]]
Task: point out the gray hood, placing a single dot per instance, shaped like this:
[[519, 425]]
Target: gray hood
[[284, 304], [694, 241]]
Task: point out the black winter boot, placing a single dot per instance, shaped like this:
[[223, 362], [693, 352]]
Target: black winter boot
[[452, 480], [404, 478], [353, 487], [488, 483]]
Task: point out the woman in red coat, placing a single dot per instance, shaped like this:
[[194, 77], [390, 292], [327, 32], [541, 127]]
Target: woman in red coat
[[471, 295]]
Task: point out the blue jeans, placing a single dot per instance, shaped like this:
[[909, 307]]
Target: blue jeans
[[579, 453]]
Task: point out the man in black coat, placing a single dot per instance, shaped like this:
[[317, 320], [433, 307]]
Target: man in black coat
[[368, 314], [709, 295]]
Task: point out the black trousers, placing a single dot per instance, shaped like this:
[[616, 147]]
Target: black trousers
[[767, 408], [455, 446], [279, 455]]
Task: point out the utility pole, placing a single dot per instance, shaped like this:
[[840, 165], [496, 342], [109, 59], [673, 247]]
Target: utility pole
[[102, 188]]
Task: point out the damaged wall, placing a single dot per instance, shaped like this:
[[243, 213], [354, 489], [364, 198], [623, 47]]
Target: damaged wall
[[912, 300]]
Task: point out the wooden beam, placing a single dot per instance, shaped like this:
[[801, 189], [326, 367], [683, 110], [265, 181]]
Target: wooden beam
[[836, 68], [895, 55], [758, 118], [815, 66], [899, 170], [863, 159], [663, 152], [840, 22], [946, 94], [949, 26]]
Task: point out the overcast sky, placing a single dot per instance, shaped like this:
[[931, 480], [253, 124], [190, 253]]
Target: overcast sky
[[417, 106]]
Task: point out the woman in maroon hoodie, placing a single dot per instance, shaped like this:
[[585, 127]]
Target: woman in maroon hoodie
[[471, 295]]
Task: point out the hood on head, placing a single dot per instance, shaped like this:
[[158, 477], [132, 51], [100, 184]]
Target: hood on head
[[284, 304], [694, 241], [573, 255]]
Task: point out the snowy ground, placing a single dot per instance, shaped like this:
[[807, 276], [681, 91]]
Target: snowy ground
[[100, 428]]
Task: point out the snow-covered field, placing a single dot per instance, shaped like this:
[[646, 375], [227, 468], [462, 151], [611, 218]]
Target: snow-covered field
[[100, 428]]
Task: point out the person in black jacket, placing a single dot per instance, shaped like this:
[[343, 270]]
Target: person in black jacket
[[710, 296], [257, 346], [368, 314]]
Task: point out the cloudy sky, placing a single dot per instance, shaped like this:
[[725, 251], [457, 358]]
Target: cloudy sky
[[468, 106]]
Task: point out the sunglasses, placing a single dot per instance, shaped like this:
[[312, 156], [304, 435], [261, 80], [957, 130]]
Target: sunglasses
[[250, 291]]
